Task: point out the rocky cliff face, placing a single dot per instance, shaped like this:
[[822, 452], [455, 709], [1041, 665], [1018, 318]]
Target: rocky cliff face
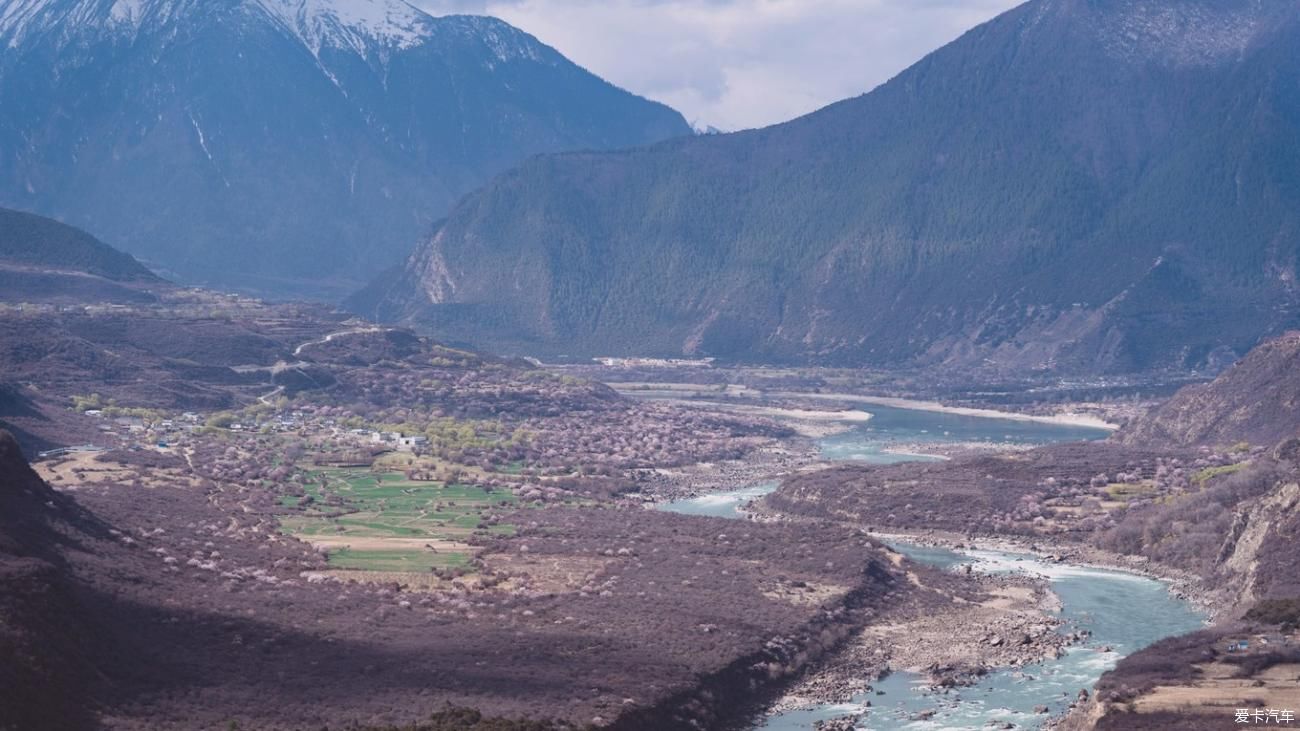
[[281, 145], [1074, 187], [1256, 401], [1267, 522]]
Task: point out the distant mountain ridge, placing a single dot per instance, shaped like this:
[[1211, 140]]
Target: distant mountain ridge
[[36, 241], [284, 146], [1078, 186]]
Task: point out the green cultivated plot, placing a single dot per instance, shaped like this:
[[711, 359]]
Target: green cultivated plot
[[385, 522], [1130, 491], [398, 560], [1209, 473]]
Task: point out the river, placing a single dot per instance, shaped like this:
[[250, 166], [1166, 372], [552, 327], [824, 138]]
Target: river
[[1125, 612]]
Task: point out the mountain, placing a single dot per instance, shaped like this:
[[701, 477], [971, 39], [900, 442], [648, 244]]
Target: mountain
[[282, 146], [46, 637], [1088, 186], [38, 242], [1256, 400]]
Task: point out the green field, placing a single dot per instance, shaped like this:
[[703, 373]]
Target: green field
[[392, 523], [1130, 491], [396, 560], [1209, 473]]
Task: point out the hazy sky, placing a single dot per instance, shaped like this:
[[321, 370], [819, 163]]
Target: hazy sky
[[740, 63]]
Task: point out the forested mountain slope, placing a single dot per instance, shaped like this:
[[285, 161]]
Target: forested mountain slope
[[39, 242], [1077, 185]]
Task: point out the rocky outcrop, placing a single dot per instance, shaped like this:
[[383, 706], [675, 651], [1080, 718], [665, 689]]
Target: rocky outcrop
[[1242, 553], [1256, 401]]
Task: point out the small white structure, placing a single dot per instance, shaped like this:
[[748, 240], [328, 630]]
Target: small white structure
[[410, 444]]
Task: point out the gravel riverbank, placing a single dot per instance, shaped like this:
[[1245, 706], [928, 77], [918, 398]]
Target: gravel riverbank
[[1182, 584], [1015, 625], [763, 465], [1012, 624]]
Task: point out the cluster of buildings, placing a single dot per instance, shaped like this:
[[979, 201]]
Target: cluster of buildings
[[655, 362], [292, 421], [1259, 642], [164, 432], [391, 439], [139, 430]]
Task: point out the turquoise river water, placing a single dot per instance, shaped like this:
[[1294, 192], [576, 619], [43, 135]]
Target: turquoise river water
[[1125, 612]]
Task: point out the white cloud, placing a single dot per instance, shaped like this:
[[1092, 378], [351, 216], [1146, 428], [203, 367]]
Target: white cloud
[[740, 63]]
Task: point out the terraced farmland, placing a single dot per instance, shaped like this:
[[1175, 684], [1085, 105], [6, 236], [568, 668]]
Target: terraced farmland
[[386, 522]]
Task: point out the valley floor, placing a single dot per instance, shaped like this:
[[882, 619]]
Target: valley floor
[[299, 519], [294, 520]]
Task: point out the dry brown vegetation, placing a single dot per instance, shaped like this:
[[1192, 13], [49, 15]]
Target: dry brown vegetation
[[1053, 490], [207, 615], [1196, 678]]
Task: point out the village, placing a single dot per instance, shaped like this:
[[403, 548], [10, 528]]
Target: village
[[147, 429]]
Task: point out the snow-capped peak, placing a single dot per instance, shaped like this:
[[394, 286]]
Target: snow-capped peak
[[127, 11], [506, 42], [66, 18], [350, 22], [391, 23], [15, 15], [367, 27]]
